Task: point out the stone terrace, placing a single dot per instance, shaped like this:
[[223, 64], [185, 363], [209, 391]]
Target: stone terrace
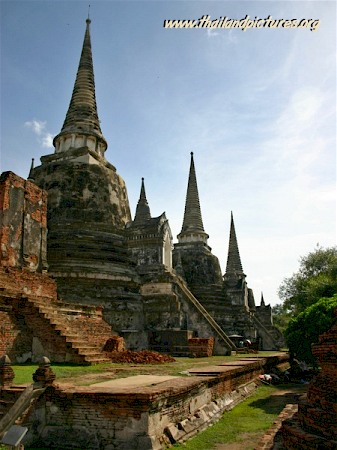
[[152, 415]]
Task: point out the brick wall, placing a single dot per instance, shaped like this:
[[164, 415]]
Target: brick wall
[[23, 223], [23, 281], [200, 347], [15, 338], [146, 417]]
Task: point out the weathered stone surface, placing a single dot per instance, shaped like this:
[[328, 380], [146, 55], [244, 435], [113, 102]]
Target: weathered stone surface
[[23, 227], [88, 210], [44, 374], [76, 437], [6, 372], [199, 265]]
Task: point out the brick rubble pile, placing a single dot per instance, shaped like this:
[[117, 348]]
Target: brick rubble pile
[[142, 357]]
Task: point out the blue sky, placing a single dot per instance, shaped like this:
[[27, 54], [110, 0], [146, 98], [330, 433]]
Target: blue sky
[[257, 108]]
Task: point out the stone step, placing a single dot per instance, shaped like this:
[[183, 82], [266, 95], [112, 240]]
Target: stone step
[[72, 337], [96, 359], [40, 300], [9, 293], [57, 308], [79, 341], [60, 330], [60, 304], [87, 350]]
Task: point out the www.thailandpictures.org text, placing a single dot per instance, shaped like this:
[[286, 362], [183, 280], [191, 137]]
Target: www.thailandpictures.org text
[[244, 24]]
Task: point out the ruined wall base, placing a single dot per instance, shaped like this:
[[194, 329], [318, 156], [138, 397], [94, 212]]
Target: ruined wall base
[[140, 418]]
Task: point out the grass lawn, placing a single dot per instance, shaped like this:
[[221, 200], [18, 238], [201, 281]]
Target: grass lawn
[[246, 423], [77, 374]]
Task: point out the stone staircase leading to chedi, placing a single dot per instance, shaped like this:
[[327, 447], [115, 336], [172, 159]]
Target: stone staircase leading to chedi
[[66, 332], [219, 332]]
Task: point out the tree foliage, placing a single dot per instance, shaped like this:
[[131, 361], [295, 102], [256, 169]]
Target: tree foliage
[[305, 329], [316, 278], [281, 316]]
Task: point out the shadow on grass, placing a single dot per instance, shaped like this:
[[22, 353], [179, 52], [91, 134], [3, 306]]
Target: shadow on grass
[[275, 403]]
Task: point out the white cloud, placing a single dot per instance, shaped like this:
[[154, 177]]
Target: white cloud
[[38, 127], [47, 140], [211, 33]]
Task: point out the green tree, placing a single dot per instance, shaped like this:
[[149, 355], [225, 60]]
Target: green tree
[[316, 278], [305, 329], [281, 316]]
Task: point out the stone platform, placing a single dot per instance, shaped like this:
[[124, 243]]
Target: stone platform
[[135, 381], [142, 412]]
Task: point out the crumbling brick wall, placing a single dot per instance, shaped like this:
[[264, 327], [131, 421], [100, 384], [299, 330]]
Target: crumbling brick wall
[[23, 224], [19, 281], [15, 337], [200, 347]]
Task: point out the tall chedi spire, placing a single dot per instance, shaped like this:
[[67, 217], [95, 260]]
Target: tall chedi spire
[[88, 210], [234, 265], [192, 256], [262, 300], [81, 127], [143, 209], [192, 229]]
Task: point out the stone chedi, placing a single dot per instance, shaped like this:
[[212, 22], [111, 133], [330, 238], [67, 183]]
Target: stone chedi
[[88, 206], [88, 209], [227, 298], [151, 293], [192, 255], [149, 238], [315, 424]]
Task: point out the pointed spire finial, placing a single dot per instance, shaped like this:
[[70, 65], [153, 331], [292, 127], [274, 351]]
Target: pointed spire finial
[[233, 260], [262, 300], [30, 176], [193, 228], [81, 127], [143, 210]]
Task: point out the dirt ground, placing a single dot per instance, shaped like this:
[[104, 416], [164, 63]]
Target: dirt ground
[[281, 398]]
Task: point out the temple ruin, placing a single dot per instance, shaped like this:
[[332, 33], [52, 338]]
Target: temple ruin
[[97, 272]]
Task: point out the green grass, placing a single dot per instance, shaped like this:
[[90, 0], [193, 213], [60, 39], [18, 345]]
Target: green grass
[[255, 414], [24, 372]]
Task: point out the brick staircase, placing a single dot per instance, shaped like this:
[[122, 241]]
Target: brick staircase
[[68, 332], [82, 326]]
